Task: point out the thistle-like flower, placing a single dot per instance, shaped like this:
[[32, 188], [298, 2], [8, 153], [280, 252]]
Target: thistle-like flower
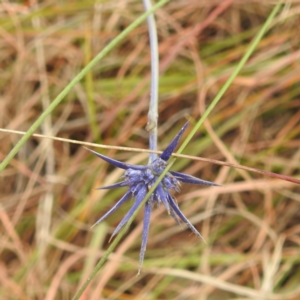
[[140, 178]]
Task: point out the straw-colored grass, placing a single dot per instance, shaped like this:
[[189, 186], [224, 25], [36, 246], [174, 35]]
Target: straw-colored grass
[[48, 192]]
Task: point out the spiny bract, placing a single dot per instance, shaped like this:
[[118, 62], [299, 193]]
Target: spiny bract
[[139, 179]]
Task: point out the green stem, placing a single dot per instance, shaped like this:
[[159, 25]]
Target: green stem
[[232, 77], [118, 237], [89, 87]]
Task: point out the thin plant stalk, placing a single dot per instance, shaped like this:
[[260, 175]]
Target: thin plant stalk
[[75, 80], [239, 67], [153, 105], [118, 238], [89, 86], [139, 150], [248, 53]]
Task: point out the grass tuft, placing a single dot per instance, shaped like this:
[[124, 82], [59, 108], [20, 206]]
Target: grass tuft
[[251, 223]]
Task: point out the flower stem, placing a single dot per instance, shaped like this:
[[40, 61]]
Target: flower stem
[[153, 106]]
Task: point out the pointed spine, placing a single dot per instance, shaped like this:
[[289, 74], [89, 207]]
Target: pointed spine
[[170, 149], [191, 179]]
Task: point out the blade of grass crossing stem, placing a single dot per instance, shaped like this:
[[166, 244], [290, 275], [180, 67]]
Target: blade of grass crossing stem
[[75, 80], [196, 127], [118, 238]]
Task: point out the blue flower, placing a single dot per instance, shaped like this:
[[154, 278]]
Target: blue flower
[[140, 178]]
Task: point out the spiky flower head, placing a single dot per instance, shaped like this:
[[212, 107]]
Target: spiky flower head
[[140, 178]]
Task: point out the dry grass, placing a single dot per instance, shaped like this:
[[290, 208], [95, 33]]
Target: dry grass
[[48, 196]]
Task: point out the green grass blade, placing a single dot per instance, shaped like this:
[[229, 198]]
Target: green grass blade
[[196, 127], [75, 80], [227, 84]]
